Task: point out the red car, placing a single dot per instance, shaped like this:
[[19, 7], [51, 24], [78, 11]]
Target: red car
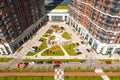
[[57, 62], [108, 62]]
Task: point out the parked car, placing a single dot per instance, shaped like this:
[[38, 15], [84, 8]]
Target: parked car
[[108, 62], [56, 66], [88, 50], [65, 62], [31, 62], [49, 62], [79, 53], [57, 62], [40, 62]]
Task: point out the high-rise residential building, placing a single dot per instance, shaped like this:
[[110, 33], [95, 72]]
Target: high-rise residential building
[[98, 21], [19, 20]]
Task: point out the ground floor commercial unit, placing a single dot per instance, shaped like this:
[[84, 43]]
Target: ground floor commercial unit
[[99, 47], [58, 15], [8, 48]]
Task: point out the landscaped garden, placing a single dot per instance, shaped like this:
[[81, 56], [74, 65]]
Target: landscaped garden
[[40, 48], [54, 51], [52, 60], [46, 35], [5, 59], [52, 37], [70, 49], [66, 35]]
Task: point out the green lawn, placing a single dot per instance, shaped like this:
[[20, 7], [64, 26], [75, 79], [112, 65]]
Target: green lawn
[[42, 39], [54, 51], [5, 59], [27, 78], [78, 70], [61, 60], [66, 35], [40, 48], [46, 35], [112, 70], [69, 49], [52, 37], [56, 7], [108, 60], [82, 78], [114, 77], [27, 70], [55, 27]]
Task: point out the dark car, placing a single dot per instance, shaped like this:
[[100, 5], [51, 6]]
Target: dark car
[[40, 62], [49, 62], [82, 42], [35, 47], [88, 50], [56, 66], [79, 53]]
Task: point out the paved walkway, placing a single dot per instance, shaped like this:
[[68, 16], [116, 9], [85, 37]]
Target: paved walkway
[[52, 74], [104, 76], [82, 48], [75, 38]]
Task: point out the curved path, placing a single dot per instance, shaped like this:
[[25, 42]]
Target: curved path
[[52, 74]]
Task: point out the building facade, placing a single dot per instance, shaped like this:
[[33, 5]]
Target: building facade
[[98, 21], [19, 20]]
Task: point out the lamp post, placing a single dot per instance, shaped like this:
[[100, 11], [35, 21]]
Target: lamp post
[[91, 64]]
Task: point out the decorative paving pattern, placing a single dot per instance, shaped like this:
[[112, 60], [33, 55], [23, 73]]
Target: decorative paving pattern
[[59, 74]]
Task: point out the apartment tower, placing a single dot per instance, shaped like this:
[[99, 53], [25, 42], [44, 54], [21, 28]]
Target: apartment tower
[[19, 20], [98, 21]]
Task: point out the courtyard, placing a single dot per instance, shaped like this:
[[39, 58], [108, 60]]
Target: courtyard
[[63, 36], [58, 41]]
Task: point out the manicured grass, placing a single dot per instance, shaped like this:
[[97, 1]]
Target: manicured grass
[[82, 78], [46, 35], [5, 59], [55, 27], [56, 7], [70, 49], [54, 51], [112, 70], [78, 70], [31, 53], [66, 36], [52, 37], [27, 70], [27, 78], [42, 39], [114, 77], [61, 60], [40, 48], [108, 60]]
